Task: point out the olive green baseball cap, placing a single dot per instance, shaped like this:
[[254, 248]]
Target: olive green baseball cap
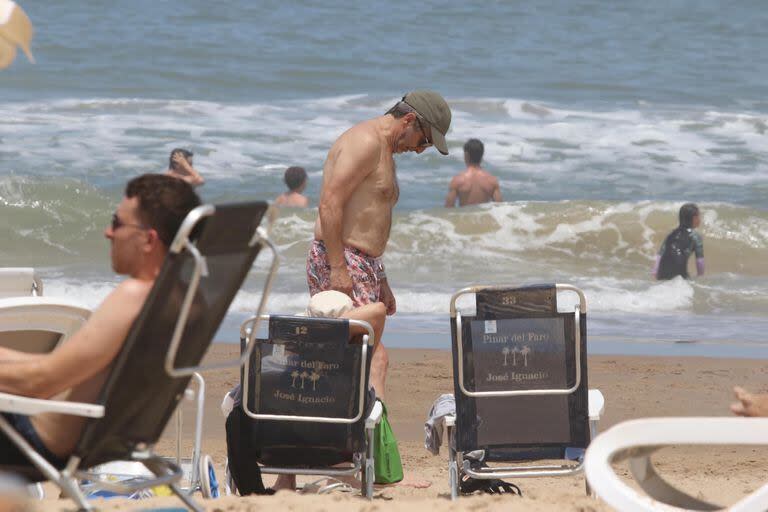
[[435, 110]]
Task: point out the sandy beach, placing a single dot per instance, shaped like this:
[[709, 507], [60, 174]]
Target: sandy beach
[[634, 387]]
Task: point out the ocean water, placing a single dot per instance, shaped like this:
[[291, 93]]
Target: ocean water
[[600, 120]]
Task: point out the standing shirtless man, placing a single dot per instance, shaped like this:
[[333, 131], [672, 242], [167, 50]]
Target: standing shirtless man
[[359, 191], [475, 185]]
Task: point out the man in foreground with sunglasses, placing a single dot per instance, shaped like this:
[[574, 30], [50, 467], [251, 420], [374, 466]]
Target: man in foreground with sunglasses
[[140, 234], [359, 191]]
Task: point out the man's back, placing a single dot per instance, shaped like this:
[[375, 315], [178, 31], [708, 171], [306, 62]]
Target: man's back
[[473, 186]]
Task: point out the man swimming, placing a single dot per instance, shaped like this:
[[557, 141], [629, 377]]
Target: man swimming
[[475, 185]]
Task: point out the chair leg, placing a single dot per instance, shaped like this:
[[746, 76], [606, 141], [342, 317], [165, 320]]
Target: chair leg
[[369, 466], [453, 467], [71, 489], [186, 498]]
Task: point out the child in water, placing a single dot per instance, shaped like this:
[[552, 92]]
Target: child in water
[[672, 259]]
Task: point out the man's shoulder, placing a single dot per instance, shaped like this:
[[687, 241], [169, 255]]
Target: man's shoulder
[[362, 135], [487, 175], [131, 290]]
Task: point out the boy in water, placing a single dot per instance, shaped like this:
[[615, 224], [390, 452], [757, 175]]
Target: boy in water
[[672, 259], [180, 166], [296, 180]]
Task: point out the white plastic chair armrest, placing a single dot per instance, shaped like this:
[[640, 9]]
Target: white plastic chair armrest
[[639, 436], [596, 404], [30, 406], [374, 418], [450, 420]]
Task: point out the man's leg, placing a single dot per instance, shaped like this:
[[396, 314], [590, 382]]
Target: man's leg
[[379, 367], [285, 482], [375, 314]]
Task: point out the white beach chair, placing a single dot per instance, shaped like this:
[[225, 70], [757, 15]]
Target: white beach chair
[[38, 324], [636, 440], [19, 282]]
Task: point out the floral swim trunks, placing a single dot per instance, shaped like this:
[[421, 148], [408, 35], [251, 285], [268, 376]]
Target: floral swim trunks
[[363, 269]]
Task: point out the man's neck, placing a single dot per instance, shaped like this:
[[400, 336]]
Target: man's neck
[[150, 269], [391, 130], [473, 168]]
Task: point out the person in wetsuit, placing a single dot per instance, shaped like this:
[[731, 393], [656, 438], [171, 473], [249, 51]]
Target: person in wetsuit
[[672, 260]]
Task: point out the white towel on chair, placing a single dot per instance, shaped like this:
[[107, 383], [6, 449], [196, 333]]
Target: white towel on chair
[[435, 424]]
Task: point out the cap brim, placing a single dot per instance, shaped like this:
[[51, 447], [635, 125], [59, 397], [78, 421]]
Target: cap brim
[[438, 139]]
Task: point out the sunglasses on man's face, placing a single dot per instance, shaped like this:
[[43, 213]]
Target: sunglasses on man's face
[[427, 143], [117, 223]]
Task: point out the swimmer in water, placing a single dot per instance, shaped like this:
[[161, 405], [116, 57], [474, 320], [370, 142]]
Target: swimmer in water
[[672, 260]]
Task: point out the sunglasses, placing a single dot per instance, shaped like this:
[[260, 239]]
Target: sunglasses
[[427, 142], [117, 223]]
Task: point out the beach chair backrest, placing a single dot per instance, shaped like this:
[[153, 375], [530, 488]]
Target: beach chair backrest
[[307, 391], [139, 395], [518, 342]]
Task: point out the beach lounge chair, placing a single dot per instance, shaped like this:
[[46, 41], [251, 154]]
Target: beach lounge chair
[[635, 441], [37, 324], [520, 385], [206, 264], [19, 281], [307, 393]]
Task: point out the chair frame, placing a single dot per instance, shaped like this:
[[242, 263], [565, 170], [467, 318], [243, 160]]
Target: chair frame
[[596, 403], [248, 332]]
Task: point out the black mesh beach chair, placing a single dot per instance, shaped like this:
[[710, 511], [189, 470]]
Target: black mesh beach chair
[[520, 384], [306, 398], [207, 262]]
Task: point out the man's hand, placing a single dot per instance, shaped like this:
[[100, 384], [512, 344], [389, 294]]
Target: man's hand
[[388, 298], [180, 161], [341, 281]]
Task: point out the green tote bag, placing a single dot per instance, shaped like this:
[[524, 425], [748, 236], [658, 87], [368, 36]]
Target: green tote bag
[[387, 466]]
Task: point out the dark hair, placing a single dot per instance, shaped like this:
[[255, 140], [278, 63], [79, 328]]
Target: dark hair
[[184, 152], [473, 151], [294, 177], [400, 109], [687, 212], [164, 201]]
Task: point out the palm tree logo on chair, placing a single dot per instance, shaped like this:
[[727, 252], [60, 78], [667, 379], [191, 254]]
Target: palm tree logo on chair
[[505, 351], [314, 377], [294, 375], [303, 375], [525, 351]]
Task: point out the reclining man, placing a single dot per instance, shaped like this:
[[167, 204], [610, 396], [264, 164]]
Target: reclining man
[[142, 229]]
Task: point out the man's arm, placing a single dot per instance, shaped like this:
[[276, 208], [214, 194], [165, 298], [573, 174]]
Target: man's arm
[[353, 164], [89, 351], [374, 313], [496, 195], [190, 175], [450, 199], [699, 250]]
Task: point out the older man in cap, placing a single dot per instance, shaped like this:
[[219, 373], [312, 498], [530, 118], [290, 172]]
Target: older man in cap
[[359, 191]]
